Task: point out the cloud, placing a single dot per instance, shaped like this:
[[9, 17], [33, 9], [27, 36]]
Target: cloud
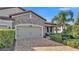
[[68, 8], [65, 8]]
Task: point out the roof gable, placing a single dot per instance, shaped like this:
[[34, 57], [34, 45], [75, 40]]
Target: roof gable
[[28, 12]]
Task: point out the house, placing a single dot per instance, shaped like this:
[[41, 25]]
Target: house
[[53, 28], [12, 16]]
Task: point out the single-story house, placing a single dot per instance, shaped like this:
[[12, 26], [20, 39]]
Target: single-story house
[[12, 16], [53, 28]]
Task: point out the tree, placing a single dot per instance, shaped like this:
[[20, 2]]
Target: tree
[[68, 29], [77, 20], [61, 17], [55, 19], [75, 28], [70, 13]]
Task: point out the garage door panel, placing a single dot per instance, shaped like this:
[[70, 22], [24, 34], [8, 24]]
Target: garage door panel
[[28, 32]]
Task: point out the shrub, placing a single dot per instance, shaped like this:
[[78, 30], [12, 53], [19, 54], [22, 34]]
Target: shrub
[[72, 42], [7, 37], [56, 37], [65, 37]]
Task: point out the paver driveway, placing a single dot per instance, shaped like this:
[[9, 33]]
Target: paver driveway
[[40, 45]]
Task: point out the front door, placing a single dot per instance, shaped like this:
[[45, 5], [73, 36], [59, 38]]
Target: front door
[[49, 29]]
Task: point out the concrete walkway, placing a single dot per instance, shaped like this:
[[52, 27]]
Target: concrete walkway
[[41, 45]]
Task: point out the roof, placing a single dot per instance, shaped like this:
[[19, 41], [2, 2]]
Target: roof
[[27, 12], [1, 8], [52, 24], [24, 11], [49, 24]]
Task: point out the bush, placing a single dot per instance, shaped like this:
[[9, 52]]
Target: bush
[[65, 37], [72, 42], [56, 37], [7, 37]]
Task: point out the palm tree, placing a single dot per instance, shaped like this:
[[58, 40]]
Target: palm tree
[[61, 17], [55, 19], [70, 13]]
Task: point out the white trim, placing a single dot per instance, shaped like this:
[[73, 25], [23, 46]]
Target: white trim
[[27, 25]]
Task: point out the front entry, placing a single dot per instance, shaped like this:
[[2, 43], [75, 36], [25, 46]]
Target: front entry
[[49, 29]]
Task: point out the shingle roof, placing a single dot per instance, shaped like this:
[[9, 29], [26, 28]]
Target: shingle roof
[[28, 12], [1, 8], [24, 11]]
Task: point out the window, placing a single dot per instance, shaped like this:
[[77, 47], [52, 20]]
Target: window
[[50, 29], [47, 29]]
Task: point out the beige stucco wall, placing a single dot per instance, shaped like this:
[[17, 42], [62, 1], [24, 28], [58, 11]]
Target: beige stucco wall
[[60, 29], [29, 18], [22, 18], [37, 20]]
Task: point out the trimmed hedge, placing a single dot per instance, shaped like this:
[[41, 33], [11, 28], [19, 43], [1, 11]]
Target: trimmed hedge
[[56, 37], [72, 42], [7, 37]]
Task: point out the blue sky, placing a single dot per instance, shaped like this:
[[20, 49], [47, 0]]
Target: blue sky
[[49, 12]]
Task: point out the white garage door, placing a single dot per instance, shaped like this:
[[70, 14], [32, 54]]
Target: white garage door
[[24, 31]]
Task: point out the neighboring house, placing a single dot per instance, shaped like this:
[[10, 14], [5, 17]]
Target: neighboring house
[[6, 22], [53, 28]]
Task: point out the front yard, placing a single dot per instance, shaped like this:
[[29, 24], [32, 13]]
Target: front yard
[[7, 38], [68, 40]]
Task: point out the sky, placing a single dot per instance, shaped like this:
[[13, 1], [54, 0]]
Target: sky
[[49, 12]]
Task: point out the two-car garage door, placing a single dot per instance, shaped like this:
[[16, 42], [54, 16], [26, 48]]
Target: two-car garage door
[[24, 31]]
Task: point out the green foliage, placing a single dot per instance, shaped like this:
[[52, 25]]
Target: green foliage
[[77, 20], [7, 37], [61, 18], [72, 42], [56, 37], [66, 37], [68, 30], [75, 30]]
